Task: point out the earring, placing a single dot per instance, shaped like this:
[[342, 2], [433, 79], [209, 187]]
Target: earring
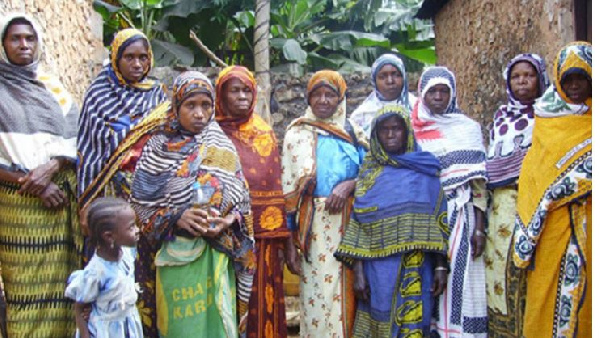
[[112, 244]]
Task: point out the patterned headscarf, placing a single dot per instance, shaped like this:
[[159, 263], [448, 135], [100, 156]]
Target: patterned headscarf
[[189, 83], [510, 136], [576, 57], [5, 21], [452, 137], [111, 108], [334, 81]]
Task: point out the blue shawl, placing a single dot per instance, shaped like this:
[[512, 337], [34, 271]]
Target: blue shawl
[[400, 205]]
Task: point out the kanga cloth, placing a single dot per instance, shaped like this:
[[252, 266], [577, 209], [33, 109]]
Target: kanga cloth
[[172, 162], [456, 141], [256, 145], [553, 226], [326, 291], [363, 115], [398, 223], [112, 106], [111, 290], [116, 177], [510, 138], [39, 247]]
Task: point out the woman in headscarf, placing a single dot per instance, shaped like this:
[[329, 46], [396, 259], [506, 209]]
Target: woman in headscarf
[[510, 139], [40, 239], [116, 101], [444, 130], [390, 86], [397, 239], [192, 200], [321, 155], [553, 235], [256, 145]]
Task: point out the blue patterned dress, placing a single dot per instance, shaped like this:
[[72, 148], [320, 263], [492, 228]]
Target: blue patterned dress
[[110, 288]]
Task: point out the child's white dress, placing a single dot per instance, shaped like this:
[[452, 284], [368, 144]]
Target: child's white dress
[[110, 288]]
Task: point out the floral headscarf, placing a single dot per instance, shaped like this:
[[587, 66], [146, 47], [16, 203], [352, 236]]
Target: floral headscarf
[[576, 57], [558, 168]]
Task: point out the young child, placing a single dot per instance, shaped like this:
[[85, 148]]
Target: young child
[[108, 282]]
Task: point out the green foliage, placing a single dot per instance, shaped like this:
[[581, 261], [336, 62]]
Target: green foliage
[[306, 35]]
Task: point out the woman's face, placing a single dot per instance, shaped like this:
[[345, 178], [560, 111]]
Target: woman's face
[[194, 112], [20, 44], [577, 87], [437, 98], [389, 82], [237, 98], [135, 61], [523, 81], [324, 102], [391, 133]]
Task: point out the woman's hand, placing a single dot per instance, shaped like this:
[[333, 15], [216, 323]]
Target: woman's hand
[[220, 223], [53, 197], [193, 220], [361, 286], [36, 181], [440, 279], [337, 200], [292, 259], [478, 237], [440, 275]]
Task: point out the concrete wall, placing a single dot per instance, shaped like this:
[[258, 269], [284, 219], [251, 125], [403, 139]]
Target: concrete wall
[[72, 39], [477, 38]]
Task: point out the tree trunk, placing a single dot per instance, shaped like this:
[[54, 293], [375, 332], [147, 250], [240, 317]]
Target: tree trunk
[[261, 59]]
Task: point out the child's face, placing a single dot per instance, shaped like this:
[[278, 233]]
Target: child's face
[[126, 232]]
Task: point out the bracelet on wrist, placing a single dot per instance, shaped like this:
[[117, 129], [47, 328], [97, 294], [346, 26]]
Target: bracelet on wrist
[[441, 268], [479, 233]]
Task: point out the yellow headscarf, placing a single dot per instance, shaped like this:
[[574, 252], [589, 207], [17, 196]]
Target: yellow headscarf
[[336, 82], [562, 141], [121, 41]]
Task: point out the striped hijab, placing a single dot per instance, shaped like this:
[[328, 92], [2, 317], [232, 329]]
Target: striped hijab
[[111, 108]]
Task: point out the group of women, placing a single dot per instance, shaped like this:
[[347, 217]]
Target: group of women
[[397, 219]]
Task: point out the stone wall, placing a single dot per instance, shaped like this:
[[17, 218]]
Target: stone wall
[[477, 38], [290, 91], [72, 39]]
